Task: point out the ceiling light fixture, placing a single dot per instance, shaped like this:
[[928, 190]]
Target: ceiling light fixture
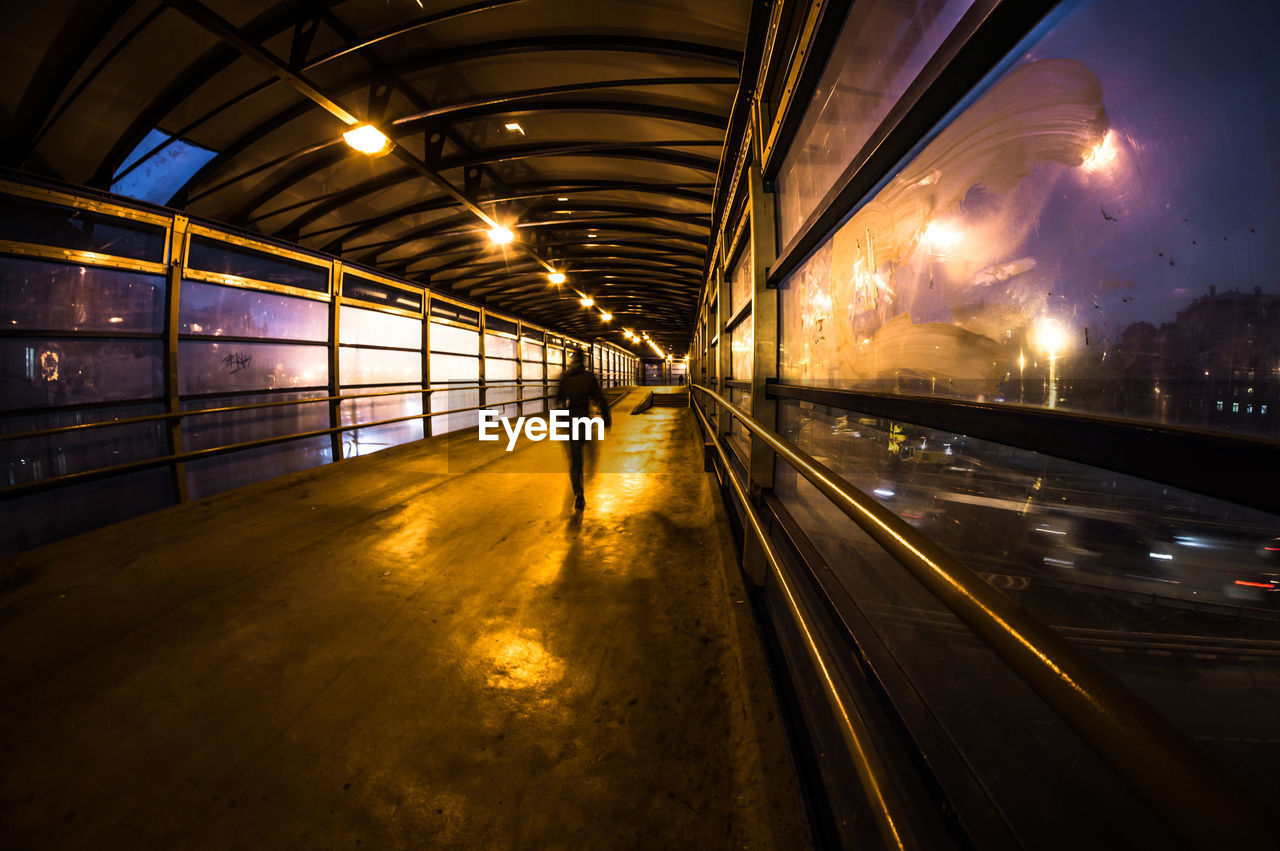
[[587, 301], [556, 277], [366, 139], [513, 127], [563, 199], [501, 235], [607, 317]]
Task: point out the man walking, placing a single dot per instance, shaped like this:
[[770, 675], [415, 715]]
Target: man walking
[[576, 391]]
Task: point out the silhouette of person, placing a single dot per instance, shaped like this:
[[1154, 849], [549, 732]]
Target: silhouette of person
[[577, 389]]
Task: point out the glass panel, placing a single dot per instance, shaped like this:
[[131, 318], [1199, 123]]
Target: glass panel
[[364, 441], [234, 312], [446, 310], [74, 452], [447, 338], [499, 370], [208, 367], [211, 255], [1074, 238], [212, 475], [42, 518], [881, 49], [555, 354], [530, 351], [501, 398], [496, 346], [1165, 580], [42, 223], [41, 373], [223, 472], [169, 163], [354, 286], [532, 371], [553, 371], [371, 328], [454, 368], [452, 400], [206, 432], [378, 366], [497, 323], [742, 350], [39, 295], [741, 281]]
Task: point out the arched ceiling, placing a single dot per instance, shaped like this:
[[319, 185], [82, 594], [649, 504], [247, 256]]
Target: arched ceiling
[[619, 107]]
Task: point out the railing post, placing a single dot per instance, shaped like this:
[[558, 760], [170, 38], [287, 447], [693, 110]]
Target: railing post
[[172, 395], [335, 383], [426, 363], [483, 391]]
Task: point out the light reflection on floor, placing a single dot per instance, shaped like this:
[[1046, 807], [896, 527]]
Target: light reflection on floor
[[510, 660]]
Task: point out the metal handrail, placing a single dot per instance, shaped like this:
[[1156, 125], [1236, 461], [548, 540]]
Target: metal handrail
[[887, 809], [196, 454], [178, 415], [1178, 780]]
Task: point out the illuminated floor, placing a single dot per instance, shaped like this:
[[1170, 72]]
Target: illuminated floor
[[389, 653]]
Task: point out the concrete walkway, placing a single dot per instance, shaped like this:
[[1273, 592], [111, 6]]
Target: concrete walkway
[[422, 648]]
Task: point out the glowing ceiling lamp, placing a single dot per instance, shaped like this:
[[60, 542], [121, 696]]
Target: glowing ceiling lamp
[[605, 316], [586, 301], [501, 235], [366, 139], [556, 277]]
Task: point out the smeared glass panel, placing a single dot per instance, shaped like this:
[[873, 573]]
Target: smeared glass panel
[[223, 472], [1091, 233], [378, 366], [35, 458], [364, 441], [371, 328], [499, 370], [445, 399], [46, 296], [882, 48], [454, 368], [231, 367], [41, 373], [742, 350], [447, 338], [741, 278], [496, 346], [42, 518], [213, 475], [230, 311]]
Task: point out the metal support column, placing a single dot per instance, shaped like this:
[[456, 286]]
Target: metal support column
[[335, 382], [426, 363], [172, 396]]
